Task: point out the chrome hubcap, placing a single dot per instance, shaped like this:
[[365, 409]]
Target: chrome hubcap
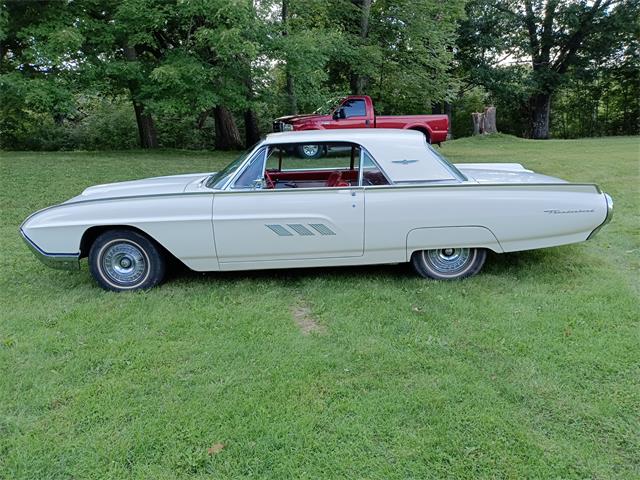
[[449, 260], [310, 150], [124, 263]]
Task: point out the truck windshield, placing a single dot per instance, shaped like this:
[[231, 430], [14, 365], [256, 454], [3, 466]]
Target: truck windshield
[[328, 107]]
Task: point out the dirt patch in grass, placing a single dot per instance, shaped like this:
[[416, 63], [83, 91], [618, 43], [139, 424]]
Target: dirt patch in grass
[[304, 319]]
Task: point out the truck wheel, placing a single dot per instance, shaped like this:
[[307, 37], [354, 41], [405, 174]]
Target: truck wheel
[[122, 260], [310, 151], [449, 263]]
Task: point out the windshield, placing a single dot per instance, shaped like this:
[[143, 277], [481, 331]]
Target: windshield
[[328, 107], [218, 179], [449, 165]]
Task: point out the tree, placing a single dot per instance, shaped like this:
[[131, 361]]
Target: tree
[[553, 36], [399, 51], [35, 86]]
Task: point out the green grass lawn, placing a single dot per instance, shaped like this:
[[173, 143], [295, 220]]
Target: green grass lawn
[[529, 370]]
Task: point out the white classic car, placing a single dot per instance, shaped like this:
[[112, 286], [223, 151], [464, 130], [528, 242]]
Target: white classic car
[[377, 196]]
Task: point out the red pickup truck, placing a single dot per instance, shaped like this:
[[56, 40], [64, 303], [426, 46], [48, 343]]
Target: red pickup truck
[[356, 111]]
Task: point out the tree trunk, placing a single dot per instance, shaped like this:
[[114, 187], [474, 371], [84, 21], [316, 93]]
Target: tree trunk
[[490, 120], [540, 106], [358, 81], [478, 123], [227, 134], [289, 88], [146, 127], [251, 129], [448, 110], [292, 102]]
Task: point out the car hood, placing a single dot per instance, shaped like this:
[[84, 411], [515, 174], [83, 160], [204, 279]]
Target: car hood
[[504, 173], [146, 186], [301, 118]]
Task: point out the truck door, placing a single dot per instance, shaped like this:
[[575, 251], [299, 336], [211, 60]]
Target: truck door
[[351, 114]]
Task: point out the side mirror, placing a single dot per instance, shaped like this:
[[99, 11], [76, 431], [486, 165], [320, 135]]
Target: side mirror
[[339, 114]]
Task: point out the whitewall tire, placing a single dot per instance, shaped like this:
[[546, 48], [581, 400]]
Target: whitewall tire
[[124, 260], [449, 263]]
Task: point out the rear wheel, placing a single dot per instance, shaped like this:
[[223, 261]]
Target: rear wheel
[[121, 260], [449, 263]]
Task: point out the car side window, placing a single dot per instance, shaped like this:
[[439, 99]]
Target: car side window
[[317, 165], [252, 176], [371, 173], [310, 157], [354, 108]]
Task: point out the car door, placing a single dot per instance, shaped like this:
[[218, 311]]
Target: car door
[[266, 225]]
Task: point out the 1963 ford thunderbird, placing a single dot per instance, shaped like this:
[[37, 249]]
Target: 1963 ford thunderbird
[[377, 196]]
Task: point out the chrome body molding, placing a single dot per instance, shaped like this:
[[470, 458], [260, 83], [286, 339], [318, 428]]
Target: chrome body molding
[[60, 261], [607, 219]]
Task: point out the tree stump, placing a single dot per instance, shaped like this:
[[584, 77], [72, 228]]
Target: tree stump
[[490, 120], [478, 123], [484, 122]]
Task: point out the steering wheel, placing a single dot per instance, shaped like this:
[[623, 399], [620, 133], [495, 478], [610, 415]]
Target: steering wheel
[[269, 180]]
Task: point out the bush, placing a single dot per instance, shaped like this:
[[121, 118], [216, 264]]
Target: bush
[[101, 124]]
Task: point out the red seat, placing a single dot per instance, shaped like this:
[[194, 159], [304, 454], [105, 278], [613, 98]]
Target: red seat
[[335, 180]]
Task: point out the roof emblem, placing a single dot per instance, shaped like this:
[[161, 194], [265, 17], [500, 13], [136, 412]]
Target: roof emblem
[[404, 162]]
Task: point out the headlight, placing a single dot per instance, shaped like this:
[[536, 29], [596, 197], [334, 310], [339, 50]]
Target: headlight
[[287, 127]]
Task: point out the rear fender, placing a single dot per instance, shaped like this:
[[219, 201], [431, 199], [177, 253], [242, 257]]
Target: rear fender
[[430, 238]]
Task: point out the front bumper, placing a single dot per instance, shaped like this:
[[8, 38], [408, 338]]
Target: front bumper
[[61, 261], [607, 218]]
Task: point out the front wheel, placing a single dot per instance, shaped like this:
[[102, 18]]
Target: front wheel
[[449, 263], [310, 151], [122, 260]]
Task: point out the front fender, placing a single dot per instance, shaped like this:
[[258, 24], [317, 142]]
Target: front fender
[[181, 223]]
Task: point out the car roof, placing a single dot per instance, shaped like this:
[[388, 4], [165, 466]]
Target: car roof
[[342, 135], [402, 154]]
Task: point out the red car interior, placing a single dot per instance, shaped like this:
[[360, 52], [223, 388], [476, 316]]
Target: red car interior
[[310, 178]]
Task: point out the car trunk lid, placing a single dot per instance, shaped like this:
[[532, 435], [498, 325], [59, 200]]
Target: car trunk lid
[[504, 173]]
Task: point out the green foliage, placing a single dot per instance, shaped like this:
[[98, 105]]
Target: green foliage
[[31, 111], [473, 100], [100, 124], [521, 52], [601, 100], [178, 60], [416, 41]]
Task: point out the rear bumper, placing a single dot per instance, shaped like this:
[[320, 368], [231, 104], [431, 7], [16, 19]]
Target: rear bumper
[[607, 218], [61, 261]]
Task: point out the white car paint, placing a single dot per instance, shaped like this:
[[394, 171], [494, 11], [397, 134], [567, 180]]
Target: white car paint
[[502, 207]]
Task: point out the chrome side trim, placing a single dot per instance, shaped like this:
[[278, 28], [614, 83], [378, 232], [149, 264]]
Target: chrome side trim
[[607, 218], [123, 197], [61, 261], [399, 186]]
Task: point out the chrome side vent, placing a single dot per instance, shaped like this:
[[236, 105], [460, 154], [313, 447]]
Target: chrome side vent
[[321, 228], [300, 229], [279, 230]]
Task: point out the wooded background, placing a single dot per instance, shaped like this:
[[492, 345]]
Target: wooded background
[[115, 74]]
